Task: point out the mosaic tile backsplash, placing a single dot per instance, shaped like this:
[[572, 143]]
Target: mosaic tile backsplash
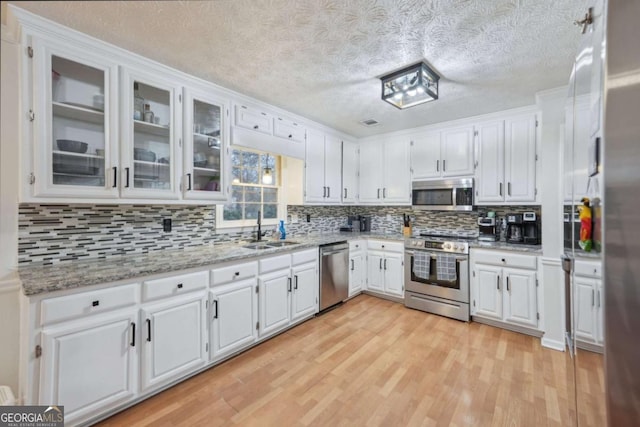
[[62, 233]]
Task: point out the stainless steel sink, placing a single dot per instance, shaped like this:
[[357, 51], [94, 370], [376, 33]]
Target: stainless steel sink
[[257, 246], [281, 243]]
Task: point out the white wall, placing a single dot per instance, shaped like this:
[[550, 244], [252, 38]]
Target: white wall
[[551, 104], [9, 142]]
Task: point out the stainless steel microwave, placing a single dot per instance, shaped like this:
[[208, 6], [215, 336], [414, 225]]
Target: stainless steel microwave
[[443, 195]]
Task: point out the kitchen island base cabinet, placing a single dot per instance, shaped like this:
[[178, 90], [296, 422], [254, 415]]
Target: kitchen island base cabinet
[[233, 316], [174, 339], [90, 366]]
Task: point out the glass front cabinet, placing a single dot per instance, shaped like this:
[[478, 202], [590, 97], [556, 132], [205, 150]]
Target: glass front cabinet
[[206, 125], [150, 136], [74, 152], [105, 131]]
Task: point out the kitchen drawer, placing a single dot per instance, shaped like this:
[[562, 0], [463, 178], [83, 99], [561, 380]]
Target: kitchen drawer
[[254, 119], [175, 285], [310, 255], [385, 245], [88, 303], [357, 245], [505, 259], [275, 263], [288, 129], [220, 276], [588, 269]]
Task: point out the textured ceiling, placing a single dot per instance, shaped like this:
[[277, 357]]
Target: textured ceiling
[[322, 59]]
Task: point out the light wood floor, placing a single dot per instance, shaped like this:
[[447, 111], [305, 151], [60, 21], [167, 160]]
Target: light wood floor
[[374, 362]]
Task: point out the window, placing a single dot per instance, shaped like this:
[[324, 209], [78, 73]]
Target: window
[[250, 194]]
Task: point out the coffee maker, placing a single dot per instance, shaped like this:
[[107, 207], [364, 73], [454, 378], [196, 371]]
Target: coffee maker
[[357, 223], [515, 228], [531, 228], [487, 229]]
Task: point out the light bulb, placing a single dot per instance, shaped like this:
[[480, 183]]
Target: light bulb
[[420, 89], [411, 92], [267, 176], [398, 96]]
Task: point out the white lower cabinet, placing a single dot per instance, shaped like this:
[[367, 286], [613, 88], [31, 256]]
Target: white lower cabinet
[[275, 301], [588, 304], [304, 296], [503, 293], [357, 268], [90, 365], [385, 268], [174, 339], [233, 317]]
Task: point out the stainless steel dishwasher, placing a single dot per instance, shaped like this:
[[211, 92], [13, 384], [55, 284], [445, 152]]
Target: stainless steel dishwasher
[[334, 274]]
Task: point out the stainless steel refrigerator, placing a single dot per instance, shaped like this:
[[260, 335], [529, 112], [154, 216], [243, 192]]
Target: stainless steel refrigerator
[[621, 159], [602, 162]]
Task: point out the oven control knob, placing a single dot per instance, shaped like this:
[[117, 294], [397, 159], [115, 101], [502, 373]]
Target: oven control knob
[[454, 247], [447, 246]]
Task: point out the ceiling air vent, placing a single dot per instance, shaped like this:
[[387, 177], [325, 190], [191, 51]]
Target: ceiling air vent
[[370, 122]]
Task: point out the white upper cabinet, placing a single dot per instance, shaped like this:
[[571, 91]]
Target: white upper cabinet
[[370, 172], [151, 128], [425, 155], [73, 123], [520, 158], [323, 169], [490, 173], [350, 166], [253, 118], [442, 153], [457, 151], [288, 129], [385, 176], [506, 168], [206, 150]]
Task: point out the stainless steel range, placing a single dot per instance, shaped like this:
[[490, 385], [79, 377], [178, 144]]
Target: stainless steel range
[[436, 275]]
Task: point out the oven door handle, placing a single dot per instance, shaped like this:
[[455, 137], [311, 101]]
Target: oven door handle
[[433, 256]]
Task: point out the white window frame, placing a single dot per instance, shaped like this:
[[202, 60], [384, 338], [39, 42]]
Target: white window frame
[[244, 224]]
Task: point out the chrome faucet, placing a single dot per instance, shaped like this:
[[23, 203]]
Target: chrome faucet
[[259, 233]]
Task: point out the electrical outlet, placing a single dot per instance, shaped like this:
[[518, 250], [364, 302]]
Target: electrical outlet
[[389, 217], [166, 224]]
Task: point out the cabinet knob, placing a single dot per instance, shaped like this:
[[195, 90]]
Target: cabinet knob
[[179, 285], [503, 260], [290, 136], [256, 126], [95, 303], [237, 273]]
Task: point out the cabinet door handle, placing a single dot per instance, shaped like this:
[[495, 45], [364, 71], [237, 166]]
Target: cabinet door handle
[[126, 182], [133, 334], [508, 284], [385, 263], [95, 303], [189, 181], [328, 191], [592, 297], [345, 193], [295, 286], [498, 282], [149, 330], [256, 127], [437, 165], [384, 193], [115, 177], [215, 313], [378, 193], [324, 191], [380, 263], [289, 280], [509, 188], [444, 166], [352, 265], [500, 189]]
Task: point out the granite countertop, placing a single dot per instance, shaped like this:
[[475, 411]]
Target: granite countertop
[[37, 279], [534, 249]]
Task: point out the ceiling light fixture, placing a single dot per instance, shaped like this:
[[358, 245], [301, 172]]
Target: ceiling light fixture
[[410, 86]]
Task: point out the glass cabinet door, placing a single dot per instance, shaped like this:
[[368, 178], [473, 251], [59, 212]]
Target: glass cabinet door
[[149, 153], [206, 150], [73, 147]]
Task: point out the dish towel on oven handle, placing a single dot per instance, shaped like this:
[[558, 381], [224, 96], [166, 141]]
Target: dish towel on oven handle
[[422, 264], [446, 267]]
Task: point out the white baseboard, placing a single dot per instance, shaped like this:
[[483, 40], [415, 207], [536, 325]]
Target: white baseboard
[[552, 344]]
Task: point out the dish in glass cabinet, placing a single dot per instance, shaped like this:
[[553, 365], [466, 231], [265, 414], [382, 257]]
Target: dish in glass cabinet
[[72, 146]]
